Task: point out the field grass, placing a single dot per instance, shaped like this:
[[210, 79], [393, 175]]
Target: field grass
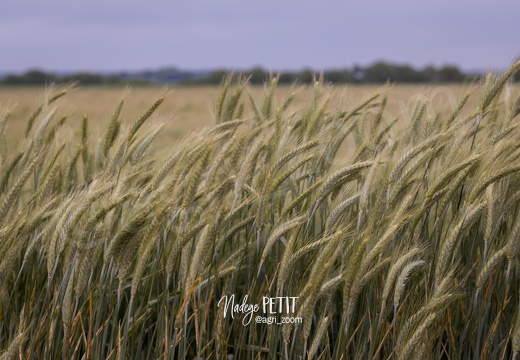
[[393, 225]]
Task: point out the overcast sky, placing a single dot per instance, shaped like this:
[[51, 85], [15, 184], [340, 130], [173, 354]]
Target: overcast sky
[[236, 34]]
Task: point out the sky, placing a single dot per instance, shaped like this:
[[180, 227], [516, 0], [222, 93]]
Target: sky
[[114, 35]]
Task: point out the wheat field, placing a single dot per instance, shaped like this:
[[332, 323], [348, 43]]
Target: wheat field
[[395, 229]]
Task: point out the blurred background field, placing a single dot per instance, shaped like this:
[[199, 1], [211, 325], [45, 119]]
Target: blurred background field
[[189, 108]]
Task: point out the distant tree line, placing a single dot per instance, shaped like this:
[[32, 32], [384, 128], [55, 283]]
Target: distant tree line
[[376, 73], [37, 77]]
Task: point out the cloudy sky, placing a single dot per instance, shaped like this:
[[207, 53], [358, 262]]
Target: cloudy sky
[[65, 35]]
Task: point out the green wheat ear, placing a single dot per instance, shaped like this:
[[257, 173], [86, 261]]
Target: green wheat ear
[[493, 88], [113, 129], [145, 116], [4, 117]]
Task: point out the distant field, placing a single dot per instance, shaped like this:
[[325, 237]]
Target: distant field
[[188, 109]]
